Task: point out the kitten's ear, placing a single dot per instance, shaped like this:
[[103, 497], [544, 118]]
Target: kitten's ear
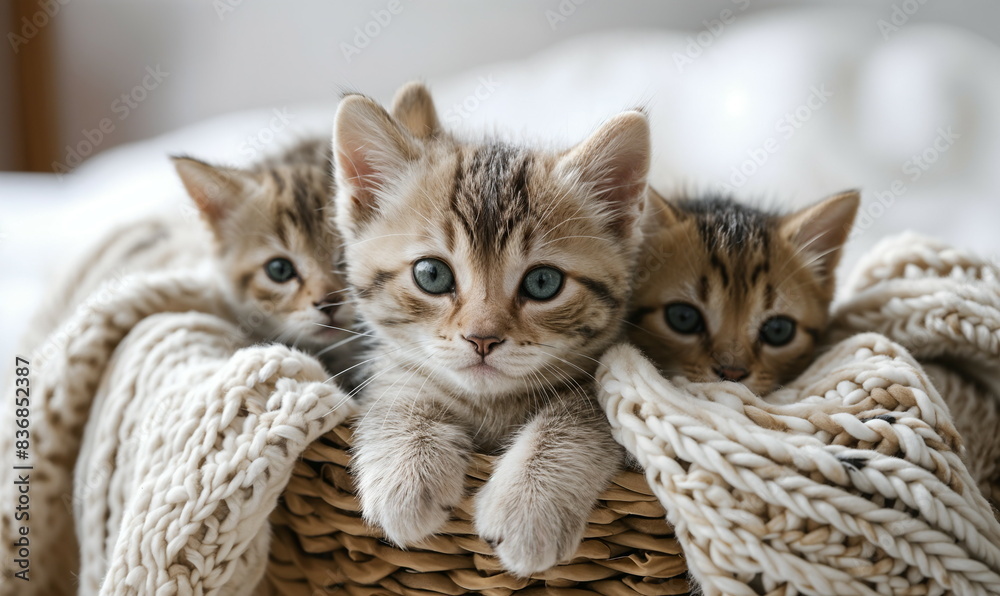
[[820, 230], [370, 148], [661, 210], [215, 190], [614, 161], [414, 109]]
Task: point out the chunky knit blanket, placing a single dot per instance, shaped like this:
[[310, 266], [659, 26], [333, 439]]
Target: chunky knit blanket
[[161, 440], [185, 434]]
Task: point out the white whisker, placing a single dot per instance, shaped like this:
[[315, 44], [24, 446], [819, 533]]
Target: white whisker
[[336, 345], [342, 329]]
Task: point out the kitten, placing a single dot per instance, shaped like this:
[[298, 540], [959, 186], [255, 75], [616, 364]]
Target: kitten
[[269, 235], [275, 244], [491, 276], [747, 293]]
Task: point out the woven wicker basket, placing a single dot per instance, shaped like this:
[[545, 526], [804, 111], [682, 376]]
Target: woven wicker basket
[[321, 545]]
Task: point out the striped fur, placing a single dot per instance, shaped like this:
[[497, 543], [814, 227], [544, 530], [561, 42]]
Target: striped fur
[[492, 211], [278, 208], [739, 266]]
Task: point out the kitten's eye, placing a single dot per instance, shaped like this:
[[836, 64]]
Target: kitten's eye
[[280, 270], [433, 276], [542, 283], [777, 331], [684, 318]]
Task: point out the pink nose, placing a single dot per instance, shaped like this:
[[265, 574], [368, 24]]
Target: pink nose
[[732, 373], [484, 345]]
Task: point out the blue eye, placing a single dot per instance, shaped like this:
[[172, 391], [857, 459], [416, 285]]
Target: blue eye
[[433, 276], [280, 270], [542, 283], [684, 318], [777, 331]]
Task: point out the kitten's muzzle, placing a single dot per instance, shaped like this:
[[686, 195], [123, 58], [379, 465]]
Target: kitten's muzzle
[[483, 345], [732, 373], [326, 304], [327, 307]]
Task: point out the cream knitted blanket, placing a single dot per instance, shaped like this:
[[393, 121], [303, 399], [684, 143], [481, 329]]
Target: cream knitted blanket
[[849, 481], [186, 437]]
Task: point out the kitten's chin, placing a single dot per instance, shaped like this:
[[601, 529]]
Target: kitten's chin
[[483, 379], [483, 370]]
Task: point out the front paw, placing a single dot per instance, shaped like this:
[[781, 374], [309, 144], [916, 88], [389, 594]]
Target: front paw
[[408, 508], [529, 532]]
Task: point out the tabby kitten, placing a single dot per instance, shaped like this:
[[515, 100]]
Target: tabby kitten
[[270, 237], [275, 244], [490, 276], [747, 293]]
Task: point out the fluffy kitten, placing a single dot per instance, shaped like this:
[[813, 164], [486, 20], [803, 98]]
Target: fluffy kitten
[[275, 243], [491, 276], [747, 292], [270, 237]]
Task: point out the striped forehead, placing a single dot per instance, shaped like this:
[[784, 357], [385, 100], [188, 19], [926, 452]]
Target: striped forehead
[[726, 225], [737, 240], [490, 196], [301, 202]]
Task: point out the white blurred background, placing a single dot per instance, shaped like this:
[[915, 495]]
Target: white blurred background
[[227, 55], [773, 101]]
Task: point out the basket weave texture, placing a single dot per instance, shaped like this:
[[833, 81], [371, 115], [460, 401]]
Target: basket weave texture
[[321, 545]]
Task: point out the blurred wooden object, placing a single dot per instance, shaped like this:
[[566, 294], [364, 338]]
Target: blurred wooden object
[[35, 82]]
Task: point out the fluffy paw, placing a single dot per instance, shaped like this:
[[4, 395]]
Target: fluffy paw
[[529, 532], [408, 508]]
